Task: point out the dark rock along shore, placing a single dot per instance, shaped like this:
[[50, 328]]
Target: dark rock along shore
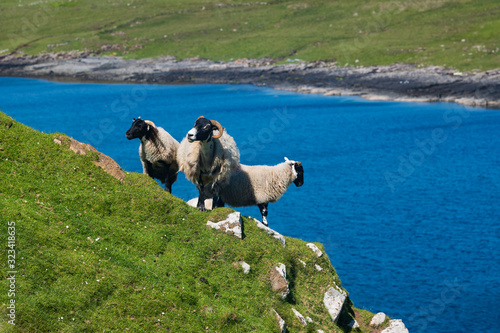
[[394, 82]]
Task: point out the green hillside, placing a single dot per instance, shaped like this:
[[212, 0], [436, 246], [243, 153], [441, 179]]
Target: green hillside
[[94, 254], [462, 33]]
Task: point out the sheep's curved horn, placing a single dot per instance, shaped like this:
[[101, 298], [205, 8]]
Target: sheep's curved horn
[[199, 118], [219, 127], [149, 122]]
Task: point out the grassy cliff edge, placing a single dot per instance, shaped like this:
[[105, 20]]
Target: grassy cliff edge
[[96, 254]]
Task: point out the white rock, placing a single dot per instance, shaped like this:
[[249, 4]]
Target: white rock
[[315, 249], [299, 317], [309, 320], [320, 331], [270, 231], [278, 280], [377, 319], [245, 266], [340, 290], [396, 326], [281, 322], [281, 268], [231, 225], [303, 263], [334, 301], [194, 203], [318, 267], [353, 324]]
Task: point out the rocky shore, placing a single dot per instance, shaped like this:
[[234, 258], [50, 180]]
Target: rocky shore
[[397, 82]]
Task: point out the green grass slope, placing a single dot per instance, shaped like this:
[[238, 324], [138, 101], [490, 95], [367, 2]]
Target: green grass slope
[[455, 33], [93, 254]]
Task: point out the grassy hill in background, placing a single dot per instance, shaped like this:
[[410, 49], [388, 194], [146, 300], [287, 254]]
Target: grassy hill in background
[[97, 254], [462, 34]]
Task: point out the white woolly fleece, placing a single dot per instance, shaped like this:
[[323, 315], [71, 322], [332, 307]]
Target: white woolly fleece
[[214, 160], [257, 184]]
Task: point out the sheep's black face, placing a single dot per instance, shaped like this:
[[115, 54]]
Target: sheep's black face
[[299, 170], [202, 130], [138, 129]]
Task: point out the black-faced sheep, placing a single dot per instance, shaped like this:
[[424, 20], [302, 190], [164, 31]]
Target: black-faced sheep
[[207, 159], [158, 151], [258, 185]]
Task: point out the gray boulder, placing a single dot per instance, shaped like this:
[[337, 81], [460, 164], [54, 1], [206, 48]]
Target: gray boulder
[[334, 301]]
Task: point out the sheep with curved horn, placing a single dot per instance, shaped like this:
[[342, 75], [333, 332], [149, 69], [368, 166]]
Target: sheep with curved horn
[[207, 159]]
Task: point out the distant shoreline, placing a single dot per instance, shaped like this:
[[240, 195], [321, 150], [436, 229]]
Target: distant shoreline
[[397, 82]]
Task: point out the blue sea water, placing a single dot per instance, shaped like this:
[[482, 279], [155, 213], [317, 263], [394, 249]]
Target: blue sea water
[[404, 196]]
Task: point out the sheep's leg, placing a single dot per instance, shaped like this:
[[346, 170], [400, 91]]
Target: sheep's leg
[[217, 202], [201, 200], [168, 186], [220, 202], [171, 178], [201, 196], [216, 199], [263, 212], [147, 168], [214, 202]]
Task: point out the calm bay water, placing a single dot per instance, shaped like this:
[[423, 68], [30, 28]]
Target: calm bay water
[[404, 196]]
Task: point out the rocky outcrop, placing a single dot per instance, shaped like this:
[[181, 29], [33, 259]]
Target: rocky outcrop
[[105, 162], [334, 301], [281, 322], [396, 326], [232, 225], [334, 298], [271, 232], [278, 280], [300, 317], [315, 249], [378, 319], [392, 82]]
